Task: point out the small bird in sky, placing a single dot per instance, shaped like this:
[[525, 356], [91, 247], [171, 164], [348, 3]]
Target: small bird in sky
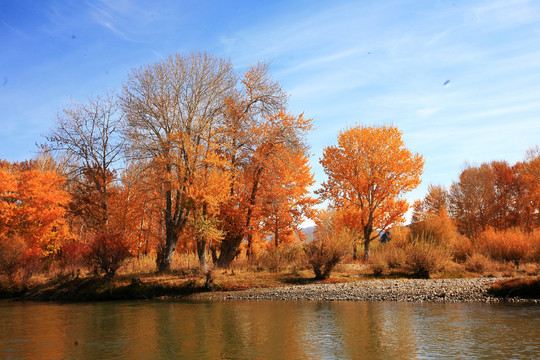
[[446, 82]]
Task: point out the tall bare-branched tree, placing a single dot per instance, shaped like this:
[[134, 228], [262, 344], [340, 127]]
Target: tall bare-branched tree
[[88, 134], [173, 109]]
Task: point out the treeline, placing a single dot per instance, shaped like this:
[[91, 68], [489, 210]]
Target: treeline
[[485, 220], [496, 195], [192, 156]]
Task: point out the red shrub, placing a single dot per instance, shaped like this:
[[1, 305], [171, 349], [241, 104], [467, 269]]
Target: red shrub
[[17, 261], [72, 254], [108, 252]]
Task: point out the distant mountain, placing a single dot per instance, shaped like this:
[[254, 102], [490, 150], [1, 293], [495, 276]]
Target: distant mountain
[[308, 231]]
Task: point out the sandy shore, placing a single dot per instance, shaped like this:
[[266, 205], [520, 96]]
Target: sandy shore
[[411, 290]]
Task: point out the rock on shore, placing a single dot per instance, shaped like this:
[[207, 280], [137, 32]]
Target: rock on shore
[[412, 290]]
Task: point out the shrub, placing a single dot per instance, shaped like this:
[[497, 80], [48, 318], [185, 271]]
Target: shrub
[[504, 245], [323, 255], [270, 260], [534, 254], [17, 261], [11, 251], [277, 259], [395, 257], [377, 263], [72, 255], [462, 248], [424, 259], [108, 252], [400, 236], [438, 227], [331, 242], [387, 256]]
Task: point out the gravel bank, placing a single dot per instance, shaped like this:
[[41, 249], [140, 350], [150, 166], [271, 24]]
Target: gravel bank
[[411, 290]]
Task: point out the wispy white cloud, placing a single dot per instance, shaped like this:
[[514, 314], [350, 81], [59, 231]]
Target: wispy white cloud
[[504, 13]]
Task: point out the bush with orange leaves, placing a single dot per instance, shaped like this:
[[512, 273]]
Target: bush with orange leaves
[[514, 245]]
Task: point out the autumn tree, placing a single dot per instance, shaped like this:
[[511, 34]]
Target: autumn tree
[[472, 200], [32, 208], [497, 195], [257, 131], [527, 202], [285, 197], [368, 171], [135, 208], [173, 108], [266, 139], [435, 200], [88, 135]]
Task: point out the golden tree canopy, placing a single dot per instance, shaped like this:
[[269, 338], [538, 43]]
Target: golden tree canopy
[[367, 172]]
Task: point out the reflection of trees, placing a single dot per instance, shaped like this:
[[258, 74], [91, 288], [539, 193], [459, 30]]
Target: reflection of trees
[[273, 330], [376, 329], [320, 331]]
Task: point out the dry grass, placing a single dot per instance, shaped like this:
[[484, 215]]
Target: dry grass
[[480, 264], [529, 269], [505, 245]]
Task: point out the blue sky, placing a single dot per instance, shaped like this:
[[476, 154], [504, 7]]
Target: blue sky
[[460, 78]]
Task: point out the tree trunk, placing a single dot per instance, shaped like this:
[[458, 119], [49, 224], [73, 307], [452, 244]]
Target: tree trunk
[[366, 248], [230, 244], [367, 236], [249, 249], [355, 250], [228, 251], [175, 219], [201, 252], [167, 252]]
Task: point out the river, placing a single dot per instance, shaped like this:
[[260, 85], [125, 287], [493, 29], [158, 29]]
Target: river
[[268, 330]]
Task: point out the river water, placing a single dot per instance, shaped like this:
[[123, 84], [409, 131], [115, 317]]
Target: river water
[[268, 330]]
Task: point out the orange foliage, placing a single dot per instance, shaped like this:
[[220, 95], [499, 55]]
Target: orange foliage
[[32, 206], [497, 195], [108, 252], [514, 245], [528, 198], [367, 171], [285, 200], [135, 209], [269, 175]]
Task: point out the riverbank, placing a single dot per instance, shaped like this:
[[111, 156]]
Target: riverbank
[[268, 287], [410, 290]]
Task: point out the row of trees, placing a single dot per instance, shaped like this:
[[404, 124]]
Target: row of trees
[[491, 195]]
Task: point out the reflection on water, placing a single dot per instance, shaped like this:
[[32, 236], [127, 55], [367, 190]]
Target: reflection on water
[[272, 330]]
